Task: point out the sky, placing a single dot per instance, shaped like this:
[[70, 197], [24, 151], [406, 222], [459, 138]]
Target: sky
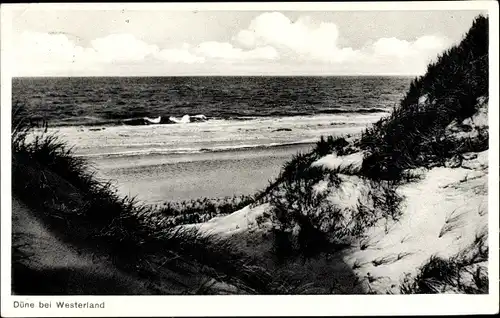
[[177, 43]]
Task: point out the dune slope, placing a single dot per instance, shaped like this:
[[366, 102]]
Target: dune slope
[[403, 206]]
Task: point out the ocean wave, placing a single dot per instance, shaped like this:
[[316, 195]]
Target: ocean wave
[[133, 121], [164, 120], [355, 111], [280, 113], [157, 151], [186, 119]]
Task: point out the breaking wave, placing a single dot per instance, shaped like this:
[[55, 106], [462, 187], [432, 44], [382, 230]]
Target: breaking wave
[[163, 151], [186, 119]]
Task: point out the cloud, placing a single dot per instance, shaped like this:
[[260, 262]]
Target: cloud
[[307, 40], [46, 47], [122, 48], [424, 47], [303, 39], [42, 53], [405, 57], [226, 51], [270, 43], [179, 55]]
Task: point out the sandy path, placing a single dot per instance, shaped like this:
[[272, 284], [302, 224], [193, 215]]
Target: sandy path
[[64, 269]]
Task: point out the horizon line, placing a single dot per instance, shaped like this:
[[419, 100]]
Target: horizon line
[[225, 75]]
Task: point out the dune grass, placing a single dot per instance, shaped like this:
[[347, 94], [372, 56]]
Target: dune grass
[[330, 144], [202, 209], [414, 135], [320, 225], [295, 203], [462, 273]]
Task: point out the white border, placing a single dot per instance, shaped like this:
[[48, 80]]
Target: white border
[[258, 305], [272, 6]]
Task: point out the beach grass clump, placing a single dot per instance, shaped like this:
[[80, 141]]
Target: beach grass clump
[[306, 222], [297, 165], [464, 273], [296, 204], [47, 176], [302, 161], [414, 135], [202, 209], [386, 200], [331, 144]]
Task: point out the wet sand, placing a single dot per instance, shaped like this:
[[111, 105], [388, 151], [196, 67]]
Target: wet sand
[[159, 178]]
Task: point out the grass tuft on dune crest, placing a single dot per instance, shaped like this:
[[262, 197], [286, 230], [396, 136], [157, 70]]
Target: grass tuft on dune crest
[[414, 135]]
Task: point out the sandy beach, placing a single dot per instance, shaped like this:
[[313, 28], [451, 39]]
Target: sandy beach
[[159, 178], [216, 158]]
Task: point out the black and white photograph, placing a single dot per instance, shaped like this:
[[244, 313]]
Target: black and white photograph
[[253, 151]]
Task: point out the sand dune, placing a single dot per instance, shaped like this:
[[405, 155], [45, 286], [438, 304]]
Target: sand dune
[[443, 214]]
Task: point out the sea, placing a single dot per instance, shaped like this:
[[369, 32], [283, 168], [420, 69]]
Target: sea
[[176, 138]]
